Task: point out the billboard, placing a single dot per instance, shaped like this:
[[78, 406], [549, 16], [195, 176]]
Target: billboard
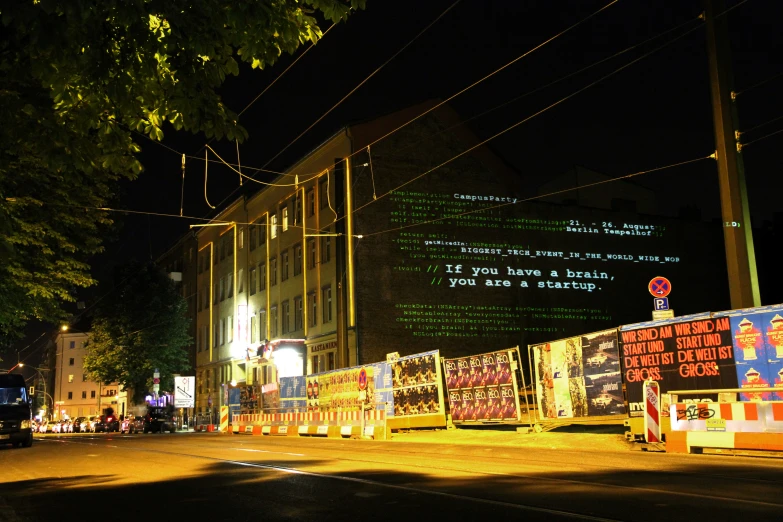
[[687, 355], [457, 260], [416, 386], [758, 351], [578, 376], [482, 387], [184, 392]]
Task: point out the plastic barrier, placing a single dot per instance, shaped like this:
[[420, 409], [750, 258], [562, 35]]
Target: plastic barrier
[[313, 424], [729, 425]]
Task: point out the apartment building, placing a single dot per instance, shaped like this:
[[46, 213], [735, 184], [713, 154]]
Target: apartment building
[[74, 395]]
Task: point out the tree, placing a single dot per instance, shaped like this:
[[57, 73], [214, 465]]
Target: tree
[[79, 81], [137, 328]]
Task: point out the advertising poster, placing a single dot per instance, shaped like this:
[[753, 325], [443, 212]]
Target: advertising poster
[[482, 388], [773, 331], [270, 398], [384, 392], [603, 379], [338, 390], [416, 384], [291, 393], [249, 398], [579, 376], [751, 357], [688, 355]]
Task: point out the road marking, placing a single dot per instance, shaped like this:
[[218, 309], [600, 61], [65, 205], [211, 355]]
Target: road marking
[[269, 451]]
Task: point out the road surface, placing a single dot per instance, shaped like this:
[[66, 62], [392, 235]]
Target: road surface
[[201, 476]]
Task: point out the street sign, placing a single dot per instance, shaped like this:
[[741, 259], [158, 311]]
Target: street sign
[[663, 314], [659, 287], [184, 392], [661, 303], [362, 379]]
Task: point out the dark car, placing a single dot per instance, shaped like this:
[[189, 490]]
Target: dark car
[[158, 420], [132, 424], [16, 418], [107, 423], [78, 424]]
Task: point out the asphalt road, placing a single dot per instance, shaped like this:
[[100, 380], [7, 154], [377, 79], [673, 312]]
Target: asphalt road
[[186, 477]]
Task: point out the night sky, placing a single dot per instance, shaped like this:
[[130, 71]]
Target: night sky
[[654, 113]]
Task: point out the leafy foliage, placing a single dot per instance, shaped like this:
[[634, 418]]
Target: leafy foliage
[[77, 78], [139, 327]]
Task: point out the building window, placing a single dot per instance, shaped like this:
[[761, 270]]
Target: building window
[[330, 359], [326, 303], [284, 266], [316, 368], [230, 329], [214, 255], [206, 297], [297, 209], [253, 329], [273, 271], [310, 202], [286, 315], [206, 337], [216, 335], [273, 322], [241, 238], [297, 313], [326, 248], [261, 235], [251, 232], [229, 245], [71, 361], [72, 344], [284, 217], [222, 290], [312, 309], [229, 286], [70, 395], [297, 259], [311, 259], [273, 226], [252, 282], [92, 394], [262, 276], [84, 394], [261, 324], [323, 192], [241, 281], [84, 377], [70, 377]]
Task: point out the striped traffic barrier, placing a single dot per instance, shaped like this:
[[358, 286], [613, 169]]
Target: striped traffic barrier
[[652, 401]]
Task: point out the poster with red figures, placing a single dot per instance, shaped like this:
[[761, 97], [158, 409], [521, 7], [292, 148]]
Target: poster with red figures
[[482, 388]]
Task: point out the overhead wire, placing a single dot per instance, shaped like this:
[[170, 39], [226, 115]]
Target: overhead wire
[[376, 71], [761, 138], [517, 124], [250, 178], [760, 125], [540, 196], [759, 84]]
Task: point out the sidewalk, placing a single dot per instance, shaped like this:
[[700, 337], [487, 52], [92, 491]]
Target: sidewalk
[[590, 438]]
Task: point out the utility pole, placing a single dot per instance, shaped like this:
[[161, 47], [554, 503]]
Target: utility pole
[[737, 231]]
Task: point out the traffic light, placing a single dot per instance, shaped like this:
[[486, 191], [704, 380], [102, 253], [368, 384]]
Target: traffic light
[[32, 391]]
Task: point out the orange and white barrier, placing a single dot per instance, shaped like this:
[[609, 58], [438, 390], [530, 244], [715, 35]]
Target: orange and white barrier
[[652, 401], [730, 425], [224, 419], [313, 424]]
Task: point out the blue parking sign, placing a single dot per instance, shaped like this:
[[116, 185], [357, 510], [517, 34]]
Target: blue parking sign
[[661, 303]]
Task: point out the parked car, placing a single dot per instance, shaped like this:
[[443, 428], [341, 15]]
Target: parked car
[[107, 423], [78, 423], [158, 420], [132, 424], [55, 426], [93, 420]]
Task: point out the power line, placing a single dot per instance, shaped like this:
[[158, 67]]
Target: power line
[[517, 124], [759, 84], [579, 187], [762, 138], [761, 125], [547, 85], [376, 71]]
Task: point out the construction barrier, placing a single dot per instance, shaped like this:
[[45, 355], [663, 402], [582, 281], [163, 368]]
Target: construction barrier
[[313, 424], [726, 425], [224, 419]]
